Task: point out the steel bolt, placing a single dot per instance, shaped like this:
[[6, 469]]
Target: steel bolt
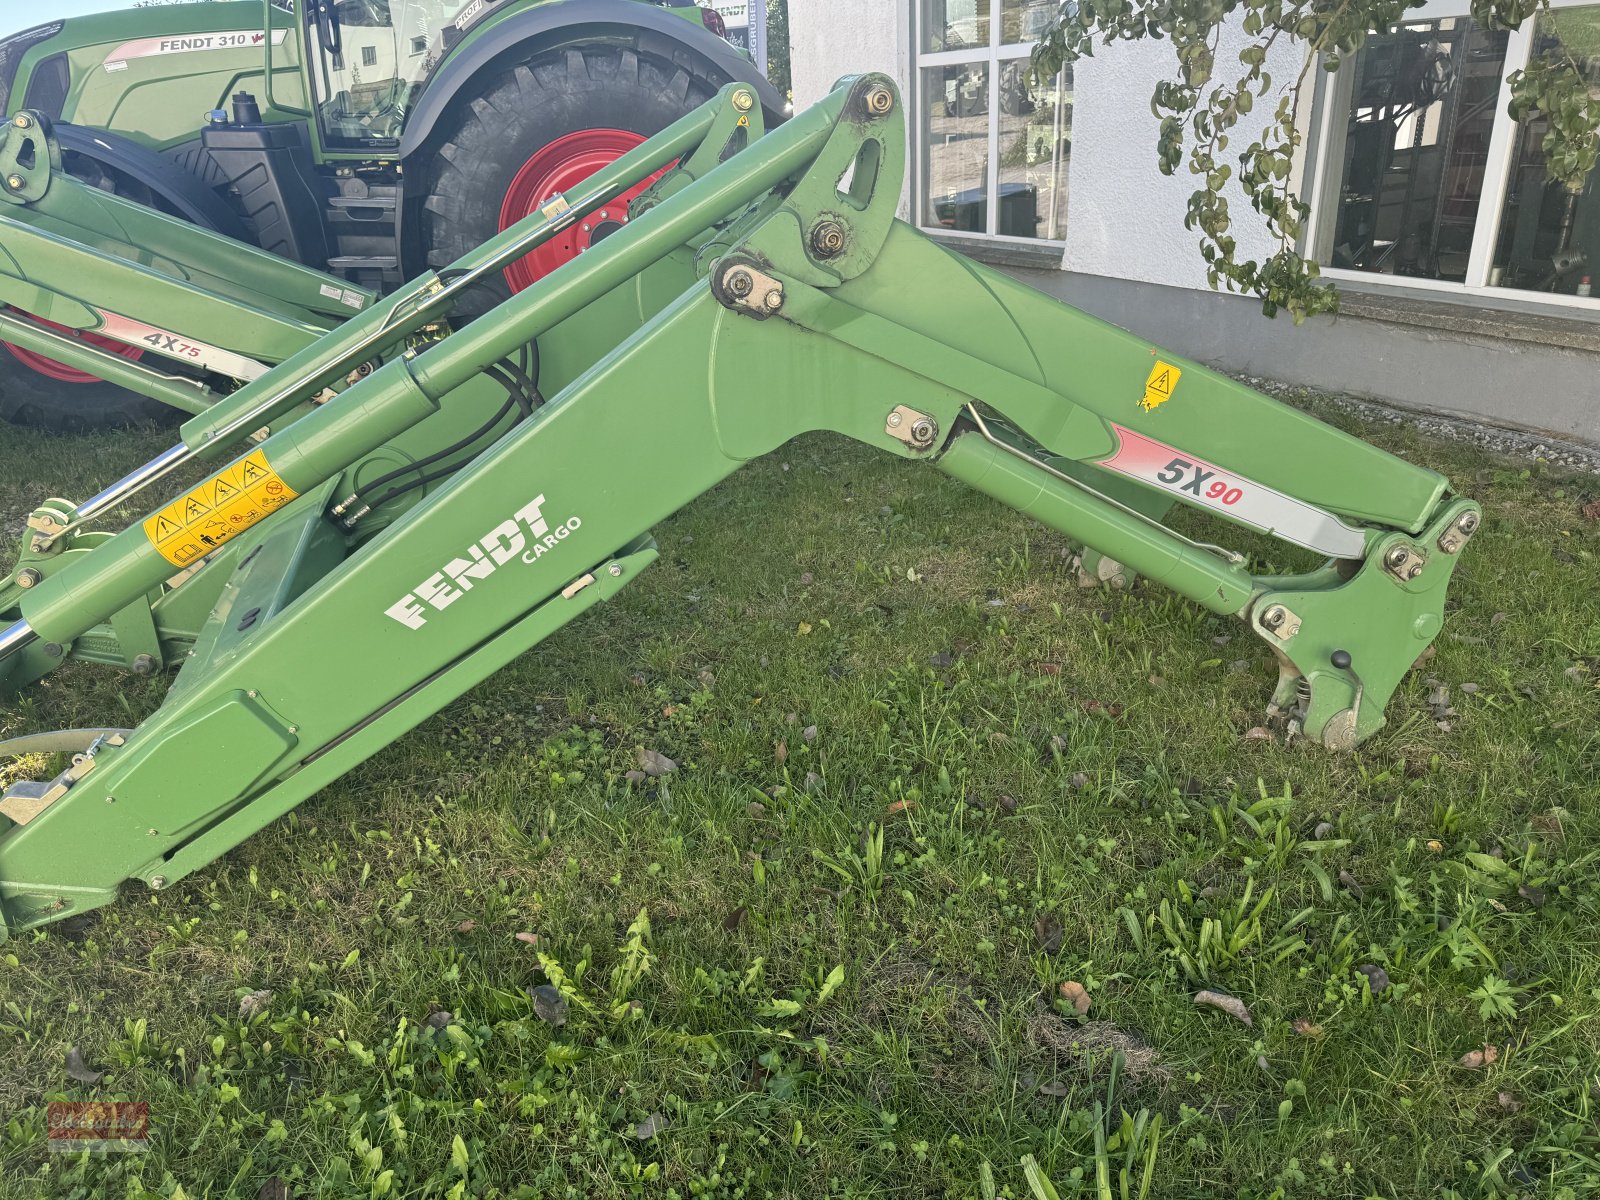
[[23, 121], [827, 238], [923, 431], [1275, 616], [157, 882], [879, 101], [16, 182], [29, 577], [894, 420], [1415, 570], [1397, 557], [52, 649], [773, 300], [616, 570], [740, 284], [1468, 523], [144, 664], [743, 101]]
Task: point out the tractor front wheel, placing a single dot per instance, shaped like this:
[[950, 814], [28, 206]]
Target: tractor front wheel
[[539, 129]]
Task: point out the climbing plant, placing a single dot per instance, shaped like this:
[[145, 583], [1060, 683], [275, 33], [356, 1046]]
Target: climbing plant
[[1208, 105]]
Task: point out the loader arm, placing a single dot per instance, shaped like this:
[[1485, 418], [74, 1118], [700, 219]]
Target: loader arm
[[764, 289]]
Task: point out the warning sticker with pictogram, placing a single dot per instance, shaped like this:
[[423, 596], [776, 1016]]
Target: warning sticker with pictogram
[[1159, 387], [219, 509]]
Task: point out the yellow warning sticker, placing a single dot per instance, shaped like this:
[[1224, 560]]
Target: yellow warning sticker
[[219, 509], [1159, 387]]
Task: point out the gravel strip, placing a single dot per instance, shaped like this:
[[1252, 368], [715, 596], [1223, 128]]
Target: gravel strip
[[1513, 443]]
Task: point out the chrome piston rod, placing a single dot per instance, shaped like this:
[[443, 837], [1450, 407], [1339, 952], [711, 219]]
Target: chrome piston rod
[[18, 637]]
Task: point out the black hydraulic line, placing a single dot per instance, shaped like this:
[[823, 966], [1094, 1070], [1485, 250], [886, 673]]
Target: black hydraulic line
[[520, 390], [521, 393], [457, 447]]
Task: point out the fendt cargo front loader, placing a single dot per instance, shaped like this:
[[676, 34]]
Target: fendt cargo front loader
[[371, 139], [405, 502]]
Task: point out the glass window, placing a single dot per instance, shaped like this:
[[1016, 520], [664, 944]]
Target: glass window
[[1549, 237], [373, 55], [1025, 20], [955, 24], [1033, 151], [955, 139], [993, 142], [1422, 112]]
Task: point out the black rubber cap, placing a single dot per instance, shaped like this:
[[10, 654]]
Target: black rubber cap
[[1340, 659]]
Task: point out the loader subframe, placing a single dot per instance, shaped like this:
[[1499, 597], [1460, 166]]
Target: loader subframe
[[761, 293]]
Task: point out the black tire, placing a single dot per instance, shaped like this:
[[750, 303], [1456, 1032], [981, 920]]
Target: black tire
[[28, 397], [497, 125]]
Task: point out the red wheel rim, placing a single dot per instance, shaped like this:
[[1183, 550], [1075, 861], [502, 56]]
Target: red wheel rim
[[558, 167], [60, 371]]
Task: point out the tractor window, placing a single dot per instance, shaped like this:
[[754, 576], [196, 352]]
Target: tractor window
[[372, 57]]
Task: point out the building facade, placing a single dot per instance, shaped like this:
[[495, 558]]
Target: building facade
[[1470, 283]]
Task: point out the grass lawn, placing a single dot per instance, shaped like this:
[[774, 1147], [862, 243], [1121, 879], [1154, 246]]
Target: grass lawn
[[930, 800]]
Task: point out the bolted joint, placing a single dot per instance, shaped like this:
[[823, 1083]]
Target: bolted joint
[[23, 121], [880, 101], [1396, 558], [1280, 621], [29, 577], [1456, 536], [827, 238], [743, 100], [143, 664], [745, 287], [915, 429]]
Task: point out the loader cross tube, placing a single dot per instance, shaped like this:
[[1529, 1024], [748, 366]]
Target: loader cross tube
[[749, 302]]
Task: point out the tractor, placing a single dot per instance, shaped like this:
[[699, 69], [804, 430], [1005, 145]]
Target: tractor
[[369, 139]]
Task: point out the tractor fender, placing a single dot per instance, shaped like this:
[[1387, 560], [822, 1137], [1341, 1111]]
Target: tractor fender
[[189, 197], [564, 22]]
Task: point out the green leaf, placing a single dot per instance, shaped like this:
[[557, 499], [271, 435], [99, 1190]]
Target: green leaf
[[830, 984]]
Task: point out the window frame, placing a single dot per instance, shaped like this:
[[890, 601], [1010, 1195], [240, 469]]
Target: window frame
[[993, 57], [1331, 122]]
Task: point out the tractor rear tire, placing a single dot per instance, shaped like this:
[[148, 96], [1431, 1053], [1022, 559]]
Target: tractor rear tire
[[29, 396], [540, 127], [46, 395]]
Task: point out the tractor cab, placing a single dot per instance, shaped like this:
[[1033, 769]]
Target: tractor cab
[[368, 60]]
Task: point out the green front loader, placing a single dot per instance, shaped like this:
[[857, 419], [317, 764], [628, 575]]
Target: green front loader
[[399, 503], [370, 139]]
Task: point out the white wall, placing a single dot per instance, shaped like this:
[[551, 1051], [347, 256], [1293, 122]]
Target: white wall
[[1124, 218], [832, 38], [829, 39]]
